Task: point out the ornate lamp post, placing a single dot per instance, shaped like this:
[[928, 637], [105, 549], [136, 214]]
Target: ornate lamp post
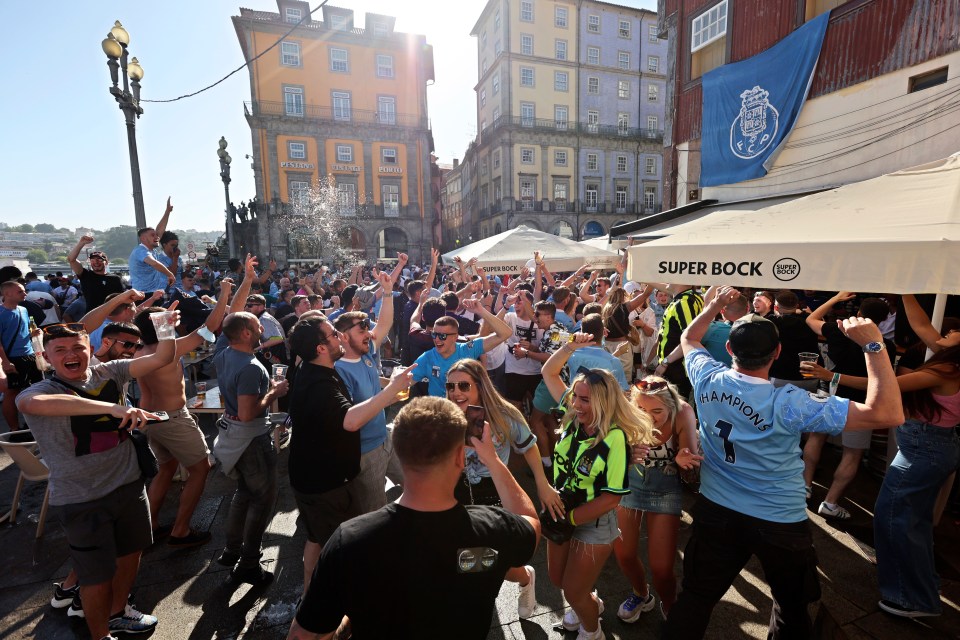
[[128, 98], [225, 160]]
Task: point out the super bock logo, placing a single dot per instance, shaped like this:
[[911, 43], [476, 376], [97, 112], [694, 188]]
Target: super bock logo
[[755, 127]]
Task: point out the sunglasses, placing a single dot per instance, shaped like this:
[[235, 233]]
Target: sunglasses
[[97, 257], [436, 335], [650, 386], [127, 344], [51, 329], [592, 375], [327, 337], [363, 324], [462, 386]]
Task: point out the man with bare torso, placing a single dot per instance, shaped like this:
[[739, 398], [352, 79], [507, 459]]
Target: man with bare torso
[[178, 440]]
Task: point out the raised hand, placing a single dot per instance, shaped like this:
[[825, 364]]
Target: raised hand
[[249, 266]]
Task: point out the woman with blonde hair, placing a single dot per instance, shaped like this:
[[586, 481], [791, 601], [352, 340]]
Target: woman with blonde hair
[[468, 384], [590, 464], [655, 491]]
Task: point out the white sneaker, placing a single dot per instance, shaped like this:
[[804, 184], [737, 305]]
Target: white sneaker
[[837, 512], [571, 621], [591, 635], [527, 599]]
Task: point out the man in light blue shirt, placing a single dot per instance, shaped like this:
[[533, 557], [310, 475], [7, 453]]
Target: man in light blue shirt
[[147, 272], [752, 498], [595, 356]]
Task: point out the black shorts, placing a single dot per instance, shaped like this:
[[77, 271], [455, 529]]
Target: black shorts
[[322, 513], [27, 373], [482, 493], [518, 385]]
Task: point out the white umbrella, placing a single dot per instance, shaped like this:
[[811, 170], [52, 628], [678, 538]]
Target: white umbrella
[[603, 242], [509, 252]]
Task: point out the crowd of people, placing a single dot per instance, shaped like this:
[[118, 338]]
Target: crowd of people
[[616, 395]]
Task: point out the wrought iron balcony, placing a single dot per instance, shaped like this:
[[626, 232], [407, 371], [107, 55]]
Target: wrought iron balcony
[[329, 114], [564, 126]]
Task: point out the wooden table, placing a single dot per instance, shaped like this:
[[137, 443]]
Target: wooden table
[[210, 404], [190, 365]]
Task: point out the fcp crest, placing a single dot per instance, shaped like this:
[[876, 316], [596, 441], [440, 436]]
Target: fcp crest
[[755, 127]]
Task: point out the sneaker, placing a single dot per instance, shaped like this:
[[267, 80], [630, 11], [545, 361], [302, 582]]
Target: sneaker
[[76, 607], [108, 638], [837, 512], [633, 606], [527, 600], [63, 598], [251, 575], [192, 539], [571, 621], [583, 634], [228, 558], [132, 621], [894, 609]]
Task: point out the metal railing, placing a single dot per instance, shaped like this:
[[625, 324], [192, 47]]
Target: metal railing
[[566, 126], [329, 114]]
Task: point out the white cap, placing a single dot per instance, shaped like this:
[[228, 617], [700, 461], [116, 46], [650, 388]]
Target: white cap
[[631, 287]]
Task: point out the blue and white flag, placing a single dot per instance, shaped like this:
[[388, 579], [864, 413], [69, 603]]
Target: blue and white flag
[[751, 106]]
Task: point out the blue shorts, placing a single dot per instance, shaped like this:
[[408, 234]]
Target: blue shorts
[[542, 400], [603, 530], [657, 490]]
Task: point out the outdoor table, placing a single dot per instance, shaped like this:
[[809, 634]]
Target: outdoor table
[[190, 365], [210, 404]]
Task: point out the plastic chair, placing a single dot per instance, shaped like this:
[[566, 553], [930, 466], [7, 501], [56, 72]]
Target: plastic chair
[[21, 446]]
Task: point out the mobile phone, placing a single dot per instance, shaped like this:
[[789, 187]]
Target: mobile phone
[[161, 416], [475, 419]]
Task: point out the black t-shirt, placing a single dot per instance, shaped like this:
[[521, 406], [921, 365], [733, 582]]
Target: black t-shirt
[[323, 455], [795, 337], [848, 358], [96, 287], [415, 557]]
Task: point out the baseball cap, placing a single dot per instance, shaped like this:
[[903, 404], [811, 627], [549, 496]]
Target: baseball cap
[[98, 254], [346, 298], [256, 298], [753, 336], [631, 287]]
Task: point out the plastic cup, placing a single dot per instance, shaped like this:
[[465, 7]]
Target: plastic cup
[[201, 390], [404, 395], [163, 324], [807, 356], [279, 372]]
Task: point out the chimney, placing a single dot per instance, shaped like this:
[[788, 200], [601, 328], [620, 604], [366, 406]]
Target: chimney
[[456, 163]]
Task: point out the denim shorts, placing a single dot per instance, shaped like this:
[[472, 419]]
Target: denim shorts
[[603, 530], [657, 490]]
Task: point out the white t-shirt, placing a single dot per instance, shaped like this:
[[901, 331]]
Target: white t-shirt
[[50, 315], [522, 330]]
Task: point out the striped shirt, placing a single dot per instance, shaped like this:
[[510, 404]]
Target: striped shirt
[[679, 314]]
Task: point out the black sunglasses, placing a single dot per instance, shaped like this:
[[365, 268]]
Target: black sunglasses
[[51, 329], [127, 344], [363, 324], [463, 386], [593, 376], [441, 336], [324, 339]]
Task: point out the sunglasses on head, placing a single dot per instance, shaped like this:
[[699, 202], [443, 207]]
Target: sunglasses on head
[[436, 335], [463, 386], [651, 385], [61, 327], [593, 376]]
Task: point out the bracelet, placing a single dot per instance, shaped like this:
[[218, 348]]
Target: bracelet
[[570, 517], [836, 379]]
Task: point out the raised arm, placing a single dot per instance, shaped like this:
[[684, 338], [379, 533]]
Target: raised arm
[[96, 316], [693, 334], [165, 218], [385, 320], [434, 259], [584, 292], [249, 275], [920, 322], [191, 341], [815, 319], [882, 407], [75, 253], [402, 259], [271, 267], [554, 364], [575, 276], [501, 329]]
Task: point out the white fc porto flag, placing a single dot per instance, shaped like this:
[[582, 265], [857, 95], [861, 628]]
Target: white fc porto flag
[[750, 107]]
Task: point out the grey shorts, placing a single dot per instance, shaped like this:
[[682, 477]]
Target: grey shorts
[[603, 530], [657, 490], [322, 513], [859, 439], [370, 485], [180, 438], [102, 530]]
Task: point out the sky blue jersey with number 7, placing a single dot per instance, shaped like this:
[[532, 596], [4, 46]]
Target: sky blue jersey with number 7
[[750, 434]]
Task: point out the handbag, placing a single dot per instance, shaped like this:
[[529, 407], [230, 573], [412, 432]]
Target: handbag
[[146, 459], [632, 334]]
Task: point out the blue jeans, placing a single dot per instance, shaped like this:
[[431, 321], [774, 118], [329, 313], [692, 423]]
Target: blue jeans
[[253, 504], [903, 516]]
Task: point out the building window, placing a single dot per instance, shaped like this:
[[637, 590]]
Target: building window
[[652, 35], [387, 110], [483, 97], [297, 150], [526, 155], [483, 167], [526, 44], [560, 116], [560, 158], [527, 114], [339, 60], [927, 80], [560, 17], [708, 41], [526, 76], [384, 66], [496, 83], [292, 15], [496, 159], [483, 126], [344, 153], [624, 29], [560, 49], [299, 193], [650, 166], [388, 155], [496, 21], [650, 199], [623, 123], [590, 199], [497, 48], [341, 105], [391, 200], [653, 64], [380, 28], [623, 89], [593, 121], [592, 162], [290, 54], [593, 55], [623, 60], [293, 101], [653, 93], [347, 198], [593, 24], [528, 193], [483, 67], [593, 85], [526, 10], [653, 123], [560, 80], [496, 114], [621, 199], [622, 164], [483, 40], [339, 23], [560, 196], [497, 191]]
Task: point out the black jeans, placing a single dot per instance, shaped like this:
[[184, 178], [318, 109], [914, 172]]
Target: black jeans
[[721, 544], [253, 503]]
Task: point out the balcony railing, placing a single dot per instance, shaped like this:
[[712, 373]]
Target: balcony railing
[[565, 126], [565, 206], [329, 114]]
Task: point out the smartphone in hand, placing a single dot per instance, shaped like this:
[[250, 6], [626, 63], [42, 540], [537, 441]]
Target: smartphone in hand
[[475, 419]]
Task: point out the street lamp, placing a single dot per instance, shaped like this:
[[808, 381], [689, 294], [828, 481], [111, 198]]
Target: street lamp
[[128, 98], [225, 160]]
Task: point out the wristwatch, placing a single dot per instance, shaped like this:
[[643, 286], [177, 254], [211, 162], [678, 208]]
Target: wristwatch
[[874, 347]]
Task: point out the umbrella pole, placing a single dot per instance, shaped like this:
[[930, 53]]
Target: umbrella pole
[[936, 318]]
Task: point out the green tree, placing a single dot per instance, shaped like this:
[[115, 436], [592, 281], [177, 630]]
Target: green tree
[[37, 256], [118, 242], [23, 228], [43, 227]]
